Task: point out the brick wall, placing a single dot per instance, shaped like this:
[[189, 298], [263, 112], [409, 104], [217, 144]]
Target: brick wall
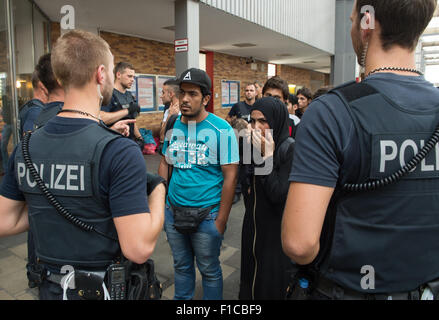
[[227, 67], [153, 57]]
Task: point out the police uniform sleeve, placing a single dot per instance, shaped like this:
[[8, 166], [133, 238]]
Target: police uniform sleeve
[[324, 141], [9, 187], [123, 178]]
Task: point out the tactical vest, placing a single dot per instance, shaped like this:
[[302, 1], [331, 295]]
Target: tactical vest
[[69, 166], [384, 241], [23, 114], [49, 112]]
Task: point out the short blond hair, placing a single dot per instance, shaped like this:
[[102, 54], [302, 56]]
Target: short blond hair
[[76, 56]]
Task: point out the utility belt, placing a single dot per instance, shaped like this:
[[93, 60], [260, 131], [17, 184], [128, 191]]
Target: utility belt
[[119, 281], [308, 287]]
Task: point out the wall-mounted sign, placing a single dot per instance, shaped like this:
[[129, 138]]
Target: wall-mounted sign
[[230, 93], [181, 45]]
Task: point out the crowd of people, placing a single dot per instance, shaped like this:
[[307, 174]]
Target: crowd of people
[[318, 173]]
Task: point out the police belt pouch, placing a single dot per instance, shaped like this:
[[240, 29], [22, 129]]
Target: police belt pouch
[[187, 219], [89, 284]]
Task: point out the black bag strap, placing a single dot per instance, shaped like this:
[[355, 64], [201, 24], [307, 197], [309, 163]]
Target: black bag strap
[[50, 197], [170, 125]]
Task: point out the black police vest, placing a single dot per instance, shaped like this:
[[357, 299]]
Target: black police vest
[[69, 165], [23, 114], [387, 240], [48, 112]]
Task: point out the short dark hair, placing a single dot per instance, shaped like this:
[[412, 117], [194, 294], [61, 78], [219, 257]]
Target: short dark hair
[[321, 92], [293, 99], [277, 82], [121, 67], [250, 84], [35, 79], [305, 92], [402, 21], [45, 73], [173, 84]]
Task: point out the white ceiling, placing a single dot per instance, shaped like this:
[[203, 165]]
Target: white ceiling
[[218, 29]]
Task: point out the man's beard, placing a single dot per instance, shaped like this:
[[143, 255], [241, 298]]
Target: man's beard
[[193, 113], [107, 94], [125, 86]]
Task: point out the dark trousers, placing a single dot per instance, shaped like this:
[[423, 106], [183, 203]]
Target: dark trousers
[[31, 255]]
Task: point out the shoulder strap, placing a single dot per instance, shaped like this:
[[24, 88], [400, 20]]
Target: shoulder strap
[[171, 122], [170, 125], [355, 91]]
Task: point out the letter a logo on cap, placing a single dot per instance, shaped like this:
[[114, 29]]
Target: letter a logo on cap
[[187, 76]]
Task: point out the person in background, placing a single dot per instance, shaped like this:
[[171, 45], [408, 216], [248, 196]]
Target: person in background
[[293, 105], [304, 96], [31, 109]]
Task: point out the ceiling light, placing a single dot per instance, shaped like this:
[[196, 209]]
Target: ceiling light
[[244, 45]]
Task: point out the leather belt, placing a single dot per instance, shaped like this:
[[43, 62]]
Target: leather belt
[[332, 290]]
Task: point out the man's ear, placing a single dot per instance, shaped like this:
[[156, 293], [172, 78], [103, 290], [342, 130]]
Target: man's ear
[[101, 74], [206, 100], [43, 88]]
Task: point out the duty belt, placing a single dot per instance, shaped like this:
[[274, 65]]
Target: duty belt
[[334, 291], [55, 278]]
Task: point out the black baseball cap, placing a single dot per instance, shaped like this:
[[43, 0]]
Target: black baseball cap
[[198, 77]]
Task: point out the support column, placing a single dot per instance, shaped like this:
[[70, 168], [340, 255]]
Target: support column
[[12, 70], [345, 60], [187, 26]]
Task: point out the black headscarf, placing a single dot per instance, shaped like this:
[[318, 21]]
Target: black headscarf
[[276, 114]]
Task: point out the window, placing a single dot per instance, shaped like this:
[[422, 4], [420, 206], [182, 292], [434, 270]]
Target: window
[[271, 70]]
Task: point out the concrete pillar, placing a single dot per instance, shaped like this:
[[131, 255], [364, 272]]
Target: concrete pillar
[[344, 62], [187, 26]]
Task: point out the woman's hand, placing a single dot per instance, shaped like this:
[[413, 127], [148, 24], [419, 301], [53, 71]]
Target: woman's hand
[[265, 145]]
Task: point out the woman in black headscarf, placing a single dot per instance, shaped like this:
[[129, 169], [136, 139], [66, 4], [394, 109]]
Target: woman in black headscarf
[[264, 266]]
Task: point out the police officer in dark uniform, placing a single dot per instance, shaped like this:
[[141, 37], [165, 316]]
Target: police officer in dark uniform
[[362, 216], [30, 110], [94, 173], [123, 105]]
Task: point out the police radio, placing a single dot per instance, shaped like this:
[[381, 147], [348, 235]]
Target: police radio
[[117, 282]]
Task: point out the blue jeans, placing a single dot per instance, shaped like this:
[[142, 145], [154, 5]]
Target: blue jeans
[[6, 135], [203, 245]]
